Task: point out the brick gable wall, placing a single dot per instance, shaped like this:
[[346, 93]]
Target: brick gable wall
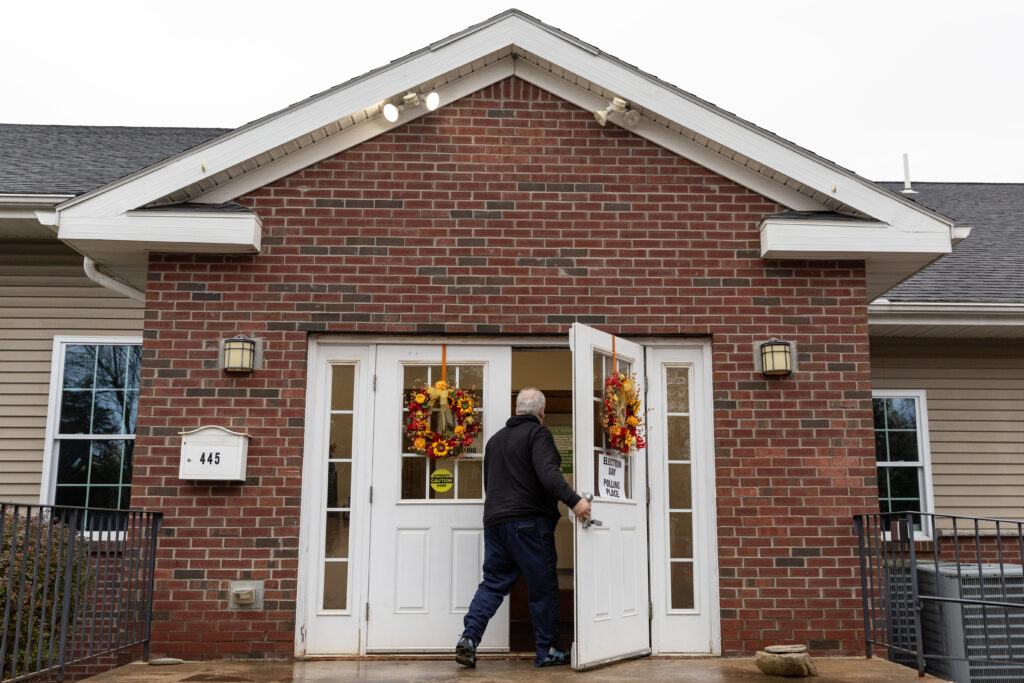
[[511, 212]]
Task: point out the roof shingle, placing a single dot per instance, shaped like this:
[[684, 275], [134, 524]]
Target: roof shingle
[[988, 265], [75, 159]]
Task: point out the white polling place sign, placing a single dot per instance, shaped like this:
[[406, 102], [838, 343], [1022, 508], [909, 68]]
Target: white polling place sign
[[611, 477], [213, 454]]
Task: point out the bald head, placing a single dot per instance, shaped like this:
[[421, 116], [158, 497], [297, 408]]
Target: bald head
[[530, 401]]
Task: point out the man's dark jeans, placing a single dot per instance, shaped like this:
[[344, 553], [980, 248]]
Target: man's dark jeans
[[524, 547]]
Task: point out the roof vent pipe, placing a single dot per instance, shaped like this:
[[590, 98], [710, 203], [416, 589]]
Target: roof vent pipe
[[906, 175], [94, 274]]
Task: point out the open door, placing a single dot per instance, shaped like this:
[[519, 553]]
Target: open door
[[612, 584]]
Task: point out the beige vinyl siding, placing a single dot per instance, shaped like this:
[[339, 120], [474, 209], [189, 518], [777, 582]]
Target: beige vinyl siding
[[43, 292], [975, 400]]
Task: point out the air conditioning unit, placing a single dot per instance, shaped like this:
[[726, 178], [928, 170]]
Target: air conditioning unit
[[959, 630], [899, 611]]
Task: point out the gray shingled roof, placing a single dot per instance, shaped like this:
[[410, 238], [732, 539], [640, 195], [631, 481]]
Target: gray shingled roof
[[76, 159], [988, 265]]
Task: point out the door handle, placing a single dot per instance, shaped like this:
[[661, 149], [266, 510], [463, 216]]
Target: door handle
[[587, 523]]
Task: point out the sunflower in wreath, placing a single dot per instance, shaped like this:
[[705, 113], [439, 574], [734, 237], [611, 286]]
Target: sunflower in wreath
[[443, 419]]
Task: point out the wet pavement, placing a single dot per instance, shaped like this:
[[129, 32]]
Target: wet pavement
[[686, 670]]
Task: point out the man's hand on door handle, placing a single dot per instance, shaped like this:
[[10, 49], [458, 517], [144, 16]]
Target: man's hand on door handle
[[582, 509]]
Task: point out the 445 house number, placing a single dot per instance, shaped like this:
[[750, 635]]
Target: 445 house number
[[212, 458]]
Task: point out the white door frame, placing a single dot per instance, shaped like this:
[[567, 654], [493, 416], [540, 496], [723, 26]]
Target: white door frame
[[673, 631], [323, 348]]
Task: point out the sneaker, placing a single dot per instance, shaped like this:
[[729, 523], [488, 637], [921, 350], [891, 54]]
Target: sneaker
[[555, 657], [465, 652]]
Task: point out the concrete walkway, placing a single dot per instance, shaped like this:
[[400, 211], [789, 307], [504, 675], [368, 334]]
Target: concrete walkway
[[689, 670]]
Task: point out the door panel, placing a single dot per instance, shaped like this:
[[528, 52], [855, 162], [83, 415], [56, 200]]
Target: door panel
[[612, 587], [427, 551]]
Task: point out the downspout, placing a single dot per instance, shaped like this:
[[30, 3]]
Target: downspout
[[93, 273]]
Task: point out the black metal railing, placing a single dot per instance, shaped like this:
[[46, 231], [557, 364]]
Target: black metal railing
[[944, 593], [75, 583]]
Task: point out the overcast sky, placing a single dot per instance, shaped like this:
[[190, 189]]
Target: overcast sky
[[859, 82]]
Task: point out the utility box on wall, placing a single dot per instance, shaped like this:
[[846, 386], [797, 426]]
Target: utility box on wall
[[213, 454]]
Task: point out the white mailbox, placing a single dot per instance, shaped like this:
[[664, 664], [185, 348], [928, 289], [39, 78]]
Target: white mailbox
[[213, 453]]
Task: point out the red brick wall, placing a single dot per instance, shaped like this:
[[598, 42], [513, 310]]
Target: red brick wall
[[511, 212]]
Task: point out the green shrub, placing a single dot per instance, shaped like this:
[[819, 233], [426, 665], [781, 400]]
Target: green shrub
[[32, 578]]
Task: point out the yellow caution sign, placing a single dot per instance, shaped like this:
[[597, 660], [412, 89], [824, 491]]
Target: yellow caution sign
[[442, 480]]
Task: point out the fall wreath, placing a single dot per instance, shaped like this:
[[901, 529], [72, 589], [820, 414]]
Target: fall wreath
[[454, 412], [622, 418]]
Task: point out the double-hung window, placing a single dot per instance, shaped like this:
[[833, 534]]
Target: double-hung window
[[902, 454], [91, 430]]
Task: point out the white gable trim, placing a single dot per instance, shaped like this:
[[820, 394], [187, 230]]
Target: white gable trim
[[783, 238], [197, 232], [509, 29]]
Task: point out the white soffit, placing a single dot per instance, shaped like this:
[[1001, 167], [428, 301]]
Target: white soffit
[[469, 61]]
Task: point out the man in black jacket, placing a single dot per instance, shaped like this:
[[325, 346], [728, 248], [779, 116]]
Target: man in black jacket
[[523, 483]]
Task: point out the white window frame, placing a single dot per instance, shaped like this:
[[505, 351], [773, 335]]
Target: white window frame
[[923, 449], [48, 487]]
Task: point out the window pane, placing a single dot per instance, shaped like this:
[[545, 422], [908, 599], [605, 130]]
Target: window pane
[[680, 534], [339, 484], [342, 386], [471, 377], [903, 446], [881, 447], [106, 462], [600, 373], [103, 497], [75, 412], [108, 413], [448, 465], [682, 585], [904, 483], [72, 496], [111, 367], [134, 366], [131, 410], [336, 534], [335, 585], [678, 437], [878, 409], [677, 386], [679, 486], [79, 364], [414, 478], [471, 478], [341, 437], [900, 413], [883, 482], [73, 462]]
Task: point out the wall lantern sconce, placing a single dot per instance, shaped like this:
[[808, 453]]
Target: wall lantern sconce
[[239, 354], [776, 358]]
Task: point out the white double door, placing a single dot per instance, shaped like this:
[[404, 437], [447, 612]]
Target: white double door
[[390, 564]]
